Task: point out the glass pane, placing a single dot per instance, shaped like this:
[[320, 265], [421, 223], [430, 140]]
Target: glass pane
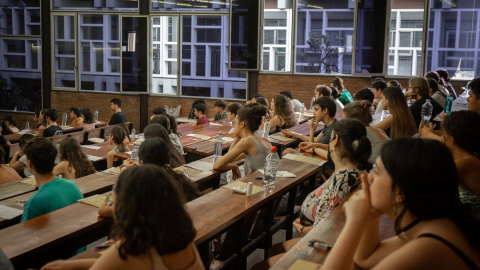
[[205, 64], [20, 17], [408, 33], [453, 44], [189, 5], [277, 35], [164, 79], [134, 54], [64, 51], [324, 36], [244, 41], [130, 5]]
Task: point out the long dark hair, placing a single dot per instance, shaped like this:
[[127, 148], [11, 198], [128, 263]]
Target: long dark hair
[[71, 151], [283, 109], [252, 115], [118, 136], [87, 116], [403, 124], [425, 174], [145, 196], [354, 142], [158, 131], [155, 151], [173, 125], [463, 126]]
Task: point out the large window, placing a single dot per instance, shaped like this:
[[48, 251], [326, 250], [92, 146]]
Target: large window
[[20, 51], [277, 36]]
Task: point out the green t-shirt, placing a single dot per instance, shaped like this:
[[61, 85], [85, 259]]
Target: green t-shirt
[[51, 196], [220, 117]]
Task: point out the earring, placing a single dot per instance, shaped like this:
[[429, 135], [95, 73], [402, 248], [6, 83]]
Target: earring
[[394, 208]]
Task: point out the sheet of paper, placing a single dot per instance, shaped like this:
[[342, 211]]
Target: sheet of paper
[[199, 136], [305, 159], [300, 264], [66, 127], [95, 200], [9, 212], [30, 180], [283, 174], [255, 189], [200, 165], [224, 139], [215, 124], [281, 138], [93, 158], [92, 147], [189, 172], [96, 140], [114, 170]]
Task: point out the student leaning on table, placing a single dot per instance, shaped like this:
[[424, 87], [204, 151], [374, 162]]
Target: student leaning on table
[[145, 238], [117, 140], [433, 232], [73, 162]]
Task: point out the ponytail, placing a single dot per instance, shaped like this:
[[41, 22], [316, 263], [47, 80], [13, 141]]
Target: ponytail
[[361, 152], [355, 144]]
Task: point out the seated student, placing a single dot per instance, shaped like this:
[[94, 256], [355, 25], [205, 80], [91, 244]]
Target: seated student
[[117, 140], [360, 110], [158, 111], [283, 115], [400, 122], [264, 102], [157, 243], [165, 122], [232, 110], [419, 192], [254, 148], [118, 117], [53, 129], [474, 97], [460, 133], [9, 125], [192, 111], [296, 104], [199, 111], [441, 83], [76, 115], [435, 93], [7, 174], [254, 98], [73, 162], [322, 90], [42, 120], [220, 112], [87, 116], [335, 95], [377, 87], [324, 112], [19, 160], [349, 149], [174, 125], [158, 131], [394, 83], [155, 151], [446, 79], [3, 142], [419, 89], [337, 82], [365, 94], [53, 192]]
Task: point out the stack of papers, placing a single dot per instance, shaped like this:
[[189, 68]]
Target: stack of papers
[[305, 159], [95, 200], [9, 212], [92, 147], [201, 165], [96, 140]]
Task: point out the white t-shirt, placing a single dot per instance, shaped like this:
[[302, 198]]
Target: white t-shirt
[[339, 112], [296, 105], [26, 171]]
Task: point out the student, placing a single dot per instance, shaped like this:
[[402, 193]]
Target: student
[[283, 115], [118, 117], [419, 192], [174, 125], [474, 97], [73, 161], [53, 192], [9, 125], [199, 111], [394, 83], [264, 102], [365, 94], [76, 115], [296, 104], [377, 87], [400, 122], [335, 95], [435, 93], [254, 98], [254, 148], [220, 113], [446, 78], [87, 116], [7, 174], [232, 110], [53, 129], [325, 110], [116, 139], [460, 133], [19, 160], [361, 110], [419, 89], [157, 243], [158, 111], [441, 84], [165, 122], [338, 83], [3, 142], [322, 90], [42, 121], [158, 131]]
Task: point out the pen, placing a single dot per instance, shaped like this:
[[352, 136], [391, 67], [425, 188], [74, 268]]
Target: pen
[[21, 201]]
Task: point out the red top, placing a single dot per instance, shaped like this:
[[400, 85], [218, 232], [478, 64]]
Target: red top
[[203, 120]]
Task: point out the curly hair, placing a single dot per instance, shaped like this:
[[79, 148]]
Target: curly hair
[[71, 151], [145, 196], [252, 115], [283, 109]]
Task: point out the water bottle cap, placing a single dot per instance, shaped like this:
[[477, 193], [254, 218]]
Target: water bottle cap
[[273, 149], [220, 133], [268, 120]]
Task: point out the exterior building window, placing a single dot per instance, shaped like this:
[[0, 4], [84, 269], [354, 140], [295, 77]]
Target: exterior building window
[[277, 38]]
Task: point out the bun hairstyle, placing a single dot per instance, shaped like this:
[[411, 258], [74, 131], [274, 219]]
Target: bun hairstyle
[[354, 142], [359, 110], [252, 116]]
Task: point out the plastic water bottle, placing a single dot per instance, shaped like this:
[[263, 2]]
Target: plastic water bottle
[[57, 159], [134, 156], [302, 111], [132, 134], [266, 128], [448, 104], [64, 119], [217, 152], [95, 116], [271, 167], [427, 109], [311, 104], [27, 125]]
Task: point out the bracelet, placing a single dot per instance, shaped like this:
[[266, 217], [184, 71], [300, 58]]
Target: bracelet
[[301, 230]]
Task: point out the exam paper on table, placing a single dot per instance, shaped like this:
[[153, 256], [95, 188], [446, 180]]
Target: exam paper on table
[[199, 136], [9, 212], [281, 173], [91, 147], [201, 165], [93, 158], [215, 124]]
